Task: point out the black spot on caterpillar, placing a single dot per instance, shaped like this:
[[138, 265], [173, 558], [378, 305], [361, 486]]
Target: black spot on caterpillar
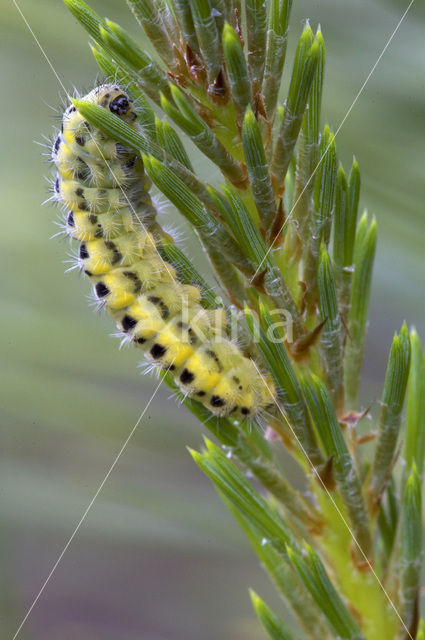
[[101, 290], [158, 351], [186, 376], [105, 191]]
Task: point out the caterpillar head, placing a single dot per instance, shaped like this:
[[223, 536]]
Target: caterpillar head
[[113, 98], [79, 135], [109, 96]]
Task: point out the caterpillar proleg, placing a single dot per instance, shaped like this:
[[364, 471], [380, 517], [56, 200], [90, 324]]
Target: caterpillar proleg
[[105, 192]]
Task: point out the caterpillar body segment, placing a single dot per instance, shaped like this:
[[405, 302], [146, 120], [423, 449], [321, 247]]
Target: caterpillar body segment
[[105, 190]]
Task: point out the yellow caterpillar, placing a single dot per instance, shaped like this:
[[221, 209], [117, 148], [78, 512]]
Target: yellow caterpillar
[[106, 193]]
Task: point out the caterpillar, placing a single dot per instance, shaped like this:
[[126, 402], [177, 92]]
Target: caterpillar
[[105, 192]]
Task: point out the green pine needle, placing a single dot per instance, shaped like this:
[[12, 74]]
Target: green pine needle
[[272, 624]]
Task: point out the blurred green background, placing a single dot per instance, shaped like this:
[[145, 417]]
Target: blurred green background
[[158, 557]]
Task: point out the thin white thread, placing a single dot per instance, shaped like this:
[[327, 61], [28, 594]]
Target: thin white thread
[[335, 135], [40, 47], [336, 506], [111, 468]]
